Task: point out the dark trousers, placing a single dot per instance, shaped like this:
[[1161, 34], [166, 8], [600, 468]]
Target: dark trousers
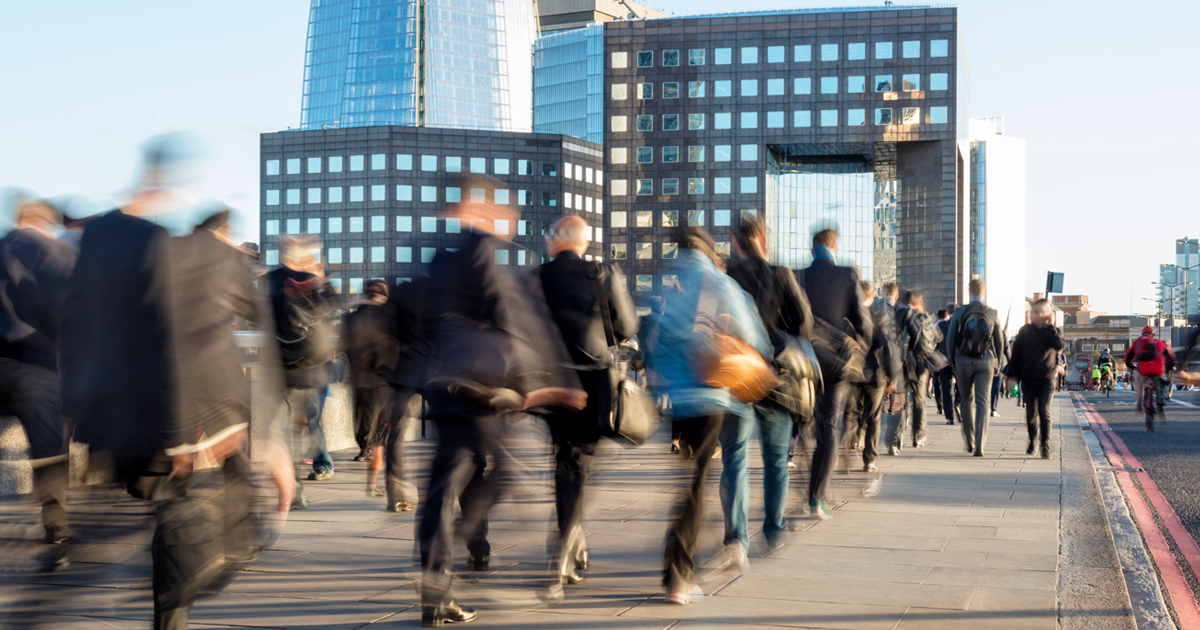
[[828, 419], [974, 378], [945, 379], [396, 416], [457, 472], [687, 517], [31, 393], [996, 390], [1038, 394], [914, 411], [936, 381], [862, 417], [575, 436], [369, 403]]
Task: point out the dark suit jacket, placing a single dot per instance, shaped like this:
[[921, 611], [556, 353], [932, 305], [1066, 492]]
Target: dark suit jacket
[[781, 303], [117, 372], [369, 339], [835, 297], [413, 348], [317, 376], [995, 349], [885, 358], [569, 284], [34, 269]]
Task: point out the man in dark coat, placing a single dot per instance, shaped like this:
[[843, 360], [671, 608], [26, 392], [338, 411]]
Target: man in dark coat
[[34, 268], [1034, 362], [882, 375], [589, 304], [371, 348], [836, 301], [975, 343], [945, 376], [916, 334]]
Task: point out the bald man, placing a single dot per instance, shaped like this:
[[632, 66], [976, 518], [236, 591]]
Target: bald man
[[582, 296]]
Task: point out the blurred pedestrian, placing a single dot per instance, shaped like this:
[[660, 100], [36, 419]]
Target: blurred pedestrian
[[593, 311], [882, 375], [34, 269], [838, 310], [975, 343], [945, 376], [1034, 363], [405, 380], [918, 346], [935, 379], [369, 342]]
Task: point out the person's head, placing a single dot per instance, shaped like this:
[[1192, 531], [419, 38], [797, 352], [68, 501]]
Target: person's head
[[218, 224], [752, 239], [477, 213], [915, 300], [826, 238], [890, 292], [38, 215], [296, 252], [1040, 315], [977, 288], [941, 314], [1147, 331], [868, 292], [699, 240], [376, 288], [569, 234], [658, 305]]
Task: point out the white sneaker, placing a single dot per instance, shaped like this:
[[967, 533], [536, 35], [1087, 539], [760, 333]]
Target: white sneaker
[[730, 562], [995, 415], [792, 465]]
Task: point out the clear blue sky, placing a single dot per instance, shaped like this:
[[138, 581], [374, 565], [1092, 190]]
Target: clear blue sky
[[1101, 91]]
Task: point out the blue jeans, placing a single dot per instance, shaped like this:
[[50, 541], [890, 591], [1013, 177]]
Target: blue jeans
[[311, 401], [775, 432]]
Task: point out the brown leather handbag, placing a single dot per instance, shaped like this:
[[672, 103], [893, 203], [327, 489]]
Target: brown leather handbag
[[728, 361]]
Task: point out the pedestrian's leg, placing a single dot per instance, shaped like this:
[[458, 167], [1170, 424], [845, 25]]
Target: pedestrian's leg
[[397, 488], [872, 408], [453, 466], [1031, 426], [679, 564], [828, 420], [36, 402], [946, 376], [1043, 404], [967, 405], [362, 423], [983, 380], [796, 422], [852, 415], [322, 460], [775, 427], [735, 478], [918, 407], [186, 548], [995, 391], [936, 380], [902, 424]]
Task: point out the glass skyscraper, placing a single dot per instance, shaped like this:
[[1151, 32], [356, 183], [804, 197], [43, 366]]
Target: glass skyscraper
[[568, 83], [437, 63]]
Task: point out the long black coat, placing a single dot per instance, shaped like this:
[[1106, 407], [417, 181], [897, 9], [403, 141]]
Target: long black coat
[[836, 298], [568, 283], [34, 269]]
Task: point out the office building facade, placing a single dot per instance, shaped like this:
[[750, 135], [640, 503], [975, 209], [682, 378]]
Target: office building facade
[[1179, 283], [372, 196], [853, 119], [568, 83], [563, 15], [997, 219], [433, 63]]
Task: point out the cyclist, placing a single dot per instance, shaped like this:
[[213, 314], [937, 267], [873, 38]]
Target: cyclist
[[1106, 376], [1096, 378], [1105, 360], [1153, 359]]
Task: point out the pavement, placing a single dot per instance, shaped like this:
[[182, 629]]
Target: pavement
[[950, 541]]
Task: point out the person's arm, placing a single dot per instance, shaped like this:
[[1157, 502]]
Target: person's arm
[[797, 312], [892, 364], [859, 315], [951, 333], [997, 339], [625, 320]]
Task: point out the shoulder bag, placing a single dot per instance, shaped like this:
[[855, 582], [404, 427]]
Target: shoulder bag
[[728, 361], [627, 411]]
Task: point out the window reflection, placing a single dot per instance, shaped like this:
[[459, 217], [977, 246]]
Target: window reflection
[[722, 120], [802, 53], [938, 115], [749, 152], [619, 91], [696, 186], [856, 52], [774, 87], [645, 58], [645, 91], [721, 218], [883, 116], [671, 90], [695, 121], [645, 123], [883, 50], [669, 251], [670, 186], [724, 56], [829, 52], [721, 185], [749, 87], [802, 85], [670, 218], [911, 50], [912, 82], [749, 55], [645, 251], [775, 54], [695, 154], [856, 117], [722, 89], [722, 153], [670, 154], [749, 120], [939, 48], [618, 251], [696, 218], [645, 283], [829, 85], [696, 89], [670, 122], [775, 120], [883, 83], [645, 155], [617, 219], [938, 81], [644, 218], [645, 187], [912, 116], [314, 165], [856, 85], [620, 60], [696, 57], [829, 117], [670, 57]]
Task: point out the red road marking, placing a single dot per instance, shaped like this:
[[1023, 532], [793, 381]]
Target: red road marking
[[1172, 575]]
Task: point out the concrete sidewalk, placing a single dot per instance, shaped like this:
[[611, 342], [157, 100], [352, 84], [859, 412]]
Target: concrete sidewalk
[[950, 541]]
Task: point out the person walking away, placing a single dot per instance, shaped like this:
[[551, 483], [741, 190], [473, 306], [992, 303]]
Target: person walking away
[[784, 311], [700, 410], [406, 381], [586, 299], [882, 375], [918, 347], [369, 342], [945, 376], [935, 379], [837, 306], [1034, 363], [1153, 359], [34, 270], [975, 342], [996, 382], [302, 303], [890, 294], [491, 353]]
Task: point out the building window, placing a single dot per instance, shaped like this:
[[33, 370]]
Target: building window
[[723, 249], [749, 120], [749, 153], [293, 166], [356, 163], [883, 116], [645, 187], [856, 117], [696, 57], [802, 85], [293, 196], [453, 226], [619, 92], [620, 60], [939, 81], [429, 225], [671, 89], [883, 83], [829, 52], [883, 50], [524, 167], [774, 54], [403, 192], [645, 123], [645, 155], [403, 254], [721, 218], [696, 186], [938, 115], [618, 251], [500, 256], [912, 82], [749, 55], [314, 226], [404, 162], [645, 58], [774, 87], [618, 187], [429, 163], [619, 124], [749, 87], [378, 254], [802, 54], [618, 155], [774, 120], [670, 186], [722, 153], [428, 254], [549, 169], [524, 197], [403, 224], [429, 194], [500, 166], [695, 89], [453, 165], [499, 196], [356, 255], [670, 122], [478, 165], [314, 195], [802, 118], [939, 48], [378, 224], [721, 185], [645, 91], [748, 185], [378, 162], [378, 193], [670, 154], [695, 154], [356, 224], [829, 117], [856, 52], [695, 122], [272, 197], [314, 165], [618, 219], [335, 164], [724, 56], [644, 251], [334, 255], [911, 50], [549, 198], [272, 167], [670, 57], [356, 193], [334, 194], [272, 227], [696, 218], [335, 225], [722, 89], [829, 85], [670, 251], [644, 283], [912, 116], [856, 85]]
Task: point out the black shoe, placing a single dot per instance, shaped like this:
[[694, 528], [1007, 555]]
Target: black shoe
[[970, 449], [979, 453], [478, 563], [950, 421], [450, 612], [1029, 450], [674, 449], [299, 503], [320, 475], [1046, 453]]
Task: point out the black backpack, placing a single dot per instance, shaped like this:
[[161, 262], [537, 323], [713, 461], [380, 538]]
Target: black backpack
[[975, 333], [928, 342], [1147, 350]]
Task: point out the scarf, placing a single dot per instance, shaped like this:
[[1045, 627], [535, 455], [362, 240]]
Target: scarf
[[821, 252]]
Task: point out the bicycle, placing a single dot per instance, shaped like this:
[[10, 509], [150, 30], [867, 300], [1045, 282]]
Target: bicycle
[[1150, 402], [1106, 384]]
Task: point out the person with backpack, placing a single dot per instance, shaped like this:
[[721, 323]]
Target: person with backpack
[[882, 375], [918, 347], [945, 376], [785, 312], [1153, 359], [975, 343], [1034, 363], [369, 342]]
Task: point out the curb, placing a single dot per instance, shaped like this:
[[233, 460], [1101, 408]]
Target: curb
[[1141, 579]]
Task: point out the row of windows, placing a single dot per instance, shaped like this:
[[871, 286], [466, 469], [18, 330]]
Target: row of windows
[[429, 194], [670, 218], [776, 120], [429, 163], [801, 53], [428, 225], [378, 255], [723, 88], [695, 186]]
